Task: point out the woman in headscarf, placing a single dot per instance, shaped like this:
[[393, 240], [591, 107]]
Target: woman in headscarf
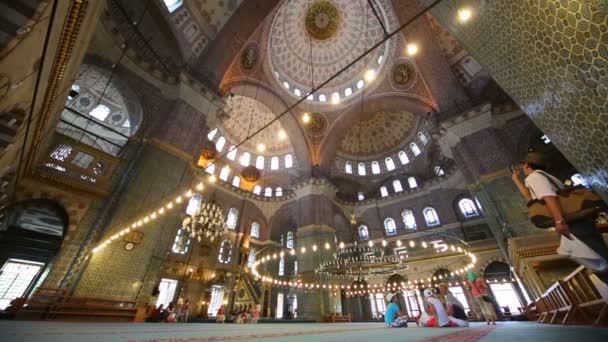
[[479, 290]]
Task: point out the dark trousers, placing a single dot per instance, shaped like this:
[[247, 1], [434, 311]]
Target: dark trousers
[[587, 232]]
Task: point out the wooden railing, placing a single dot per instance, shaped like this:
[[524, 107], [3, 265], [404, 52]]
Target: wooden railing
[[55, 304], [573, 300]]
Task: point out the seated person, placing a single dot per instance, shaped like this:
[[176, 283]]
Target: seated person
[[394, 317], [437, 315], [255, 313], [220, 316], [454, 307]]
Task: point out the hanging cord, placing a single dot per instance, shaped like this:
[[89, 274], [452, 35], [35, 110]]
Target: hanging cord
[[122, 54], [30, 116]]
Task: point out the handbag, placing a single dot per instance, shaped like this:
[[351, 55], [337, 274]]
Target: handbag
[[577, 203], [575, 249]]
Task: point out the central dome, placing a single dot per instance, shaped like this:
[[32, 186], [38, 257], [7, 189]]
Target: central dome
[[331, 34], [322, 20]]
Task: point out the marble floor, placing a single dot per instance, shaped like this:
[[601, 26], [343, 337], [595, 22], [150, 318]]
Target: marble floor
[[204, 332]]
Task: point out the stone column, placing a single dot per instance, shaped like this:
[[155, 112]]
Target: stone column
[[550, 57], [476, 141], [317, 303]]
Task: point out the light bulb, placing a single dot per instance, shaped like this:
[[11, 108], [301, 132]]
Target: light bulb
[[464, 14], [199, 186], [412, 49], [306, 118], [282, 134], [212, 179], [261, 147], [370, 75]]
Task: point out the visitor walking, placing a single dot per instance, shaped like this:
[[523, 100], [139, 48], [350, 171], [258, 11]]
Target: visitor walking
[[539, 184], [479, 290], [184, 311]]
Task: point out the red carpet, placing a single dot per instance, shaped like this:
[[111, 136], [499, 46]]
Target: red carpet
[[469, 335]]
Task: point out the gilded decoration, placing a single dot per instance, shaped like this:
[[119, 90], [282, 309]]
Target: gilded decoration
[[249, 58], [322, 20], [383, 131], [317, 124], [403, 74]]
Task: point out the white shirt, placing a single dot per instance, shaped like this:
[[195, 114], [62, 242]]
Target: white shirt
[[540, 186], [442, 315]]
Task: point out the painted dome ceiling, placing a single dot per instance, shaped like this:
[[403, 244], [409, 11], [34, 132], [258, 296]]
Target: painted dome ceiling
[[334, 32], [246, 117], [382, 132]]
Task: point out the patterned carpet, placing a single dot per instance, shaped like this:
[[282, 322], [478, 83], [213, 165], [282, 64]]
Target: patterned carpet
[[144, 332]]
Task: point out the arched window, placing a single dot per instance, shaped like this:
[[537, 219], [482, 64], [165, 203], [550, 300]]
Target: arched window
[[181, 244], [467, 208], [210, 169], [415, 149], [289, 240], [383, 191], [219, 145], [403, 158], [390, 164], [194, 204], [288, 161], [236, 181], [232, 154], [430, 216], [224, 172], [257, 189], [360, 196], [268, 192], [255, 230], [212, 134], [348, 167], [225, 252], [390, 227], [439, 171], [251, 258], [232, 219], [278, 192], [408, 219], [259, 163], [375, 167], [422, 138], [172, 5], [397, 185], [274, 163], [245, 159], [282, 266], [363, 233], [100, 112], [412, 182], [361, 169]]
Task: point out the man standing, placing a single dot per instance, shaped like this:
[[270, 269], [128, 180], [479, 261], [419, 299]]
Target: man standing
[[541, 185]]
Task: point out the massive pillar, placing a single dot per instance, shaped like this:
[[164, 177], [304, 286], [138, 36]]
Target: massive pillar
[[316, 303], [551, 57], [478, 141]]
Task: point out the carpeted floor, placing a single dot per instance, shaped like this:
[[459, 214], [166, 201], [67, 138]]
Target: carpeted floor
[[376, 332]]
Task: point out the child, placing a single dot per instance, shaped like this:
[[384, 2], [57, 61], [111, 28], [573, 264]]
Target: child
[[394, 317]]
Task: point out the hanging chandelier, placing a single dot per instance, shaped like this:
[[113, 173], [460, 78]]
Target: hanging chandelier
[[206, 224]]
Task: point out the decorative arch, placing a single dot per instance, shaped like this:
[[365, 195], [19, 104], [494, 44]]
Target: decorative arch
[[352, 115], [267, 96]]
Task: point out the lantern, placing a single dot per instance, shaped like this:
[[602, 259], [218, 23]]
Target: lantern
[[250, 176], [208, 152]]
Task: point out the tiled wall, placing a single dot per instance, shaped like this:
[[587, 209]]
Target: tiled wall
[[551, 57]]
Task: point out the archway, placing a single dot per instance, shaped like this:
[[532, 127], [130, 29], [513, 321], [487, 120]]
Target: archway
[[506, 291], [30, 237]]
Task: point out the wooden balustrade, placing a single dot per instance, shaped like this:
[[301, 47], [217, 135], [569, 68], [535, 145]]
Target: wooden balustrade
[[55, 304], [573, 300]]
